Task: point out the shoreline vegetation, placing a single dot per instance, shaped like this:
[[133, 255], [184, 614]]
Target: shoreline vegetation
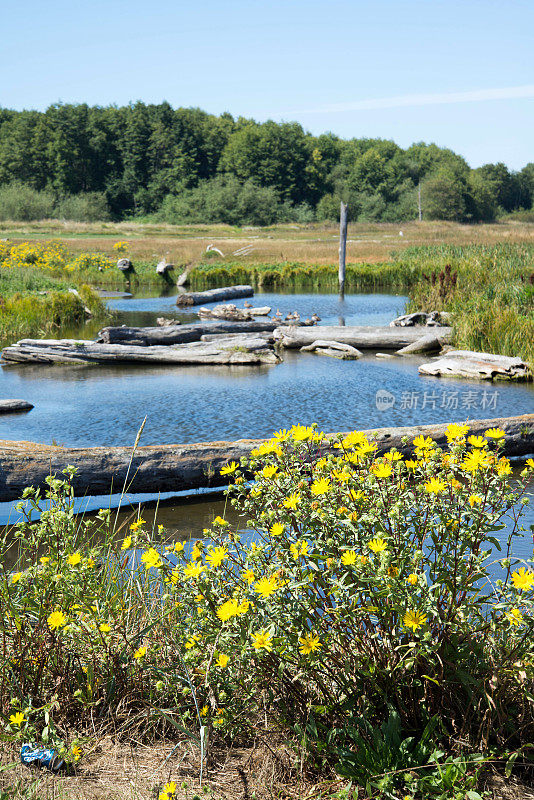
[[489, 287], [346, 644]]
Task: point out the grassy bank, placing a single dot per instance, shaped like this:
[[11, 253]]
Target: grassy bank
[[346, 647]]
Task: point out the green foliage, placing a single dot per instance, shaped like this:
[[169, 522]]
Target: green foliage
[[19, 201], [88, 207]]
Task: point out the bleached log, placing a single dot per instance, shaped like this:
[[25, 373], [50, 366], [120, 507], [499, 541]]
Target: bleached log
[[175, 467], [214, 295], [364, 337], [179, 334], [426, 344], [51, 351], [333, 349], [14, 406], [483, 366]]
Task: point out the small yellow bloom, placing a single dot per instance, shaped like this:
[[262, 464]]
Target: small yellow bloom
[[169, 790], [57, 619], [523, 579], [137, 524], [381, 470], [412, 578], [504, 467], [216, 556], [76, 752], [104, 628], [269, 471], [17, 719], [222, 660], [475, 461], [127, 543], [477, 441], [228, 610], [74, 559], [248, 576], [424, 443], [193, 570], [393, 455], [414, 619], [309, 643], [262, 640], [151, 558], [192, 642], [514, 616], [277, 529], [221, 522], [495, 433], [44, 559], [292, 502], [411, 464], [348, 558], [229, 469], [455, 431], [320, 487], [140, 653], [16, 576], [266, 586], [475, 500], [377, 545], [435, 486]]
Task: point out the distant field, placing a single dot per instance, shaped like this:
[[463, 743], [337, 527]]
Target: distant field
[[309, 244]]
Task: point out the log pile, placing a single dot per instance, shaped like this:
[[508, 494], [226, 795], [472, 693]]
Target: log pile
[[178, 334], [214, 295], [70, 351], [175, 467], [483, 366]]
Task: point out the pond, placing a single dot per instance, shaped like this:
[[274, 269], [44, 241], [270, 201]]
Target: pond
[[100, 405]]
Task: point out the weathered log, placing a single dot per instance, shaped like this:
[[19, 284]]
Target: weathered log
[[109, 294], [214, 295], [268, 336], [421, 318], [163, 269], [483, 366], [176, 467], [14, 406], [125, 265], [332, 349], [361, 336], [426, 344], [164, 322], [231, 312], [51, 351], [179, 334]]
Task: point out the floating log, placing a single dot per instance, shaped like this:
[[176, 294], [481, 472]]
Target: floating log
[[483, 366], [51, 351], [361, 336], [268, 336], [231, 312], [426, 344], [179, 334], [164, 322], [176, 467], [214, 295], [332, 349], [14, 406]]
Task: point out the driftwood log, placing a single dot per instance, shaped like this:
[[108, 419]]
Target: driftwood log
[[214, 295], [231, 312], [176, 467], [72, 351], [421, 318], [332, 349], [14, 406], [179, 334], [363, 337], [430, 343], [484, 366]]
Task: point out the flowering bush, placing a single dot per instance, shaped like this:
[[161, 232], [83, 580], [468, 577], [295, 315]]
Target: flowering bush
[[53, 257], [369, 586], [120, 247]]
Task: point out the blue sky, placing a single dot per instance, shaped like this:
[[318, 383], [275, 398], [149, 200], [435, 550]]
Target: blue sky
[[460, 74]]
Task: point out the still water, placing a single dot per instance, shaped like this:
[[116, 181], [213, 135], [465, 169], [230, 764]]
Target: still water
[[100, 405]]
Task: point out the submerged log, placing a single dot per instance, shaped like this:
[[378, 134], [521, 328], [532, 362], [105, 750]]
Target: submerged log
[[179, 334], [426, 344], [214, 295], [52, 351], [482, 366], [177, 467], [365, 337], [14, 406]]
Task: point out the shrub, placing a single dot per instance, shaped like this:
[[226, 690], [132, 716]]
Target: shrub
[[86, 207], [21, 203]]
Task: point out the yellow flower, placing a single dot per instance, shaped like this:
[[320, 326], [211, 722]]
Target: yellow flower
[[269, 471], [393, 455], [412, 578], [495, 433], [411, 464], [228, 610], [196, 552], [348, 558], [514, 616], [292, 502], [414, 619], [477, 441], [301, 433], [76, 752], [248, 576], [178, 547], [138, 524], [216, 556], [424, 443], [309, 643], [90, 563], [140, 653], [435, 486], [475, 499], [381, 470], [523, 579], [44, 560], [74, 559], [169, 790], [298, 549], [454, 431], [17, 719], [193, 570], [277, 529], [229, 469], [262, 640], [266, 586], [57, 619], [320, 487], [105, 628], [530, 463], [191, 642], [16, 576], [353, 439], [127, 543], [475, 460], [151, 558], [222, 660], [221, 522], [503, 467], [377, 545]]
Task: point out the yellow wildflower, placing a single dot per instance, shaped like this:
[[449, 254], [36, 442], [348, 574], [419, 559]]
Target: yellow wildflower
[[424, 443], [216, 556], [56, 619], [523, 579], [192, 642], [76, 752], [17, 719], [16, 576], [348, 558], [309, 643], [495, 433], [292, 502], [262, 640], [477, 441], [74, 559], [277, 529], [104, 628], [320, 487], [381, 470], [228, 610], [301, 433], [412, 578], [140, 653], [455, 431], [504, 467], [413, 619], [248, 576], [137, 524], [411, 464], [221, 522], [193, 570], [229, 469], [269, 471], [435, 486], [514, 616], [377, 545], [266, 586], [475, 500], [169, 791], [475, 460], [151, 558], [222, 660]]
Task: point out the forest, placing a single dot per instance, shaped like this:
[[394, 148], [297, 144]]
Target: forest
[[183, 165]]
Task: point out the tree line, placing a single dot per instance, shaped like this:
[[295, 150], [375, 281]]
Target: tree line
[[184, 165]]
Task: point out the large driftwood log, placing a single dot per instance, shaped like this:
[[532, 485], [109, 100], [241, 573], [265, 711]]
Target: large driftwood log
[[231, 312], [51, 351], [332, 349], [13, 406], [429, 343], [484, 366], [363, 337], [176, 467], [214, 295], [179, 334]]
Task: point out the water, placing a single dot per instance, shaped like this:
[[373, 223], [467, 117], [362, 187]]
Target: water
[[96, 405]]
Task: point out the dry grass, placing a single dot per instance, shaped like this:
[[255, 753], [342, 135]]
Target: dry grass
[[309, 244]]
